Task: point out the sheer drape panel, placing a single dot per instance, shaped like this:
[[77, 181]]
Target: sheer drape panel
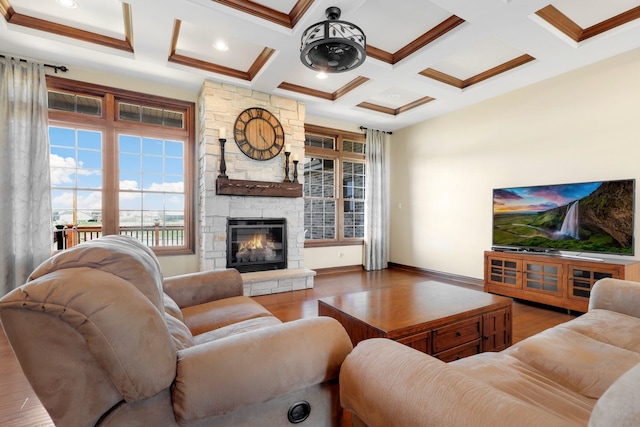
[[25, 189], [376, 201]]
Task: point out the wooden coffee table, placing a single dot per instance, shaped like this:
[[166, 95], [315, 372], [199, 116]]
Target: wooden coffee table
[[446, 321]]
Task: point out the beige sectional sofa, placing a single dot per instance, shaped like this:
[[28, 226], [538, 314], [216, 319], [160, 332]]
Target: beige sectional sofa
[[583, 372], [105, 340]]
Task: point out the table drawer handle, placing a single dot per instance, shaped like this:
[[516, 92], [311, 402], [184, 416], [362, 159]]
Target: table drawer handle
[[458, 334]]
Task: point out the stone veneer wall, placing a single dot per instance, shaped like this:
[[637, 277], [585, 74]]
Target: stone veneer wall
[[219, 105]]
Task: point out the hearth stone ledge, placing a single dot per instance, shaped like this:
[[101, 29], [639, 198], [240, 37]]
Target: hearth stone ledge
[[276, 281]]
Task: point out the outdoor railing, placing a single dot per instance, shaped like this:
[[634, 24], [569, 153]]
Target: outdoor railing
[[65, 236]]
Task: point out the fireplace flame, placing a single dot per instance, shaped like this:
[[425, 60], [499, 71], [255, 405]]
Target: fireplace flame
[[256, 248], [256, 242]]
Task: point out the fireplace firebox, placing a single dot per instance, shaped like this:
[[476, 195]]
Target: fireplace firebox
[[256, 244]]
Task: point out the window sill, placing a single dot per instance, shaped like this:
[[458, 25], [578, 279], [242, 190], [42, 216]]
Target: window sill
[[327, 243]]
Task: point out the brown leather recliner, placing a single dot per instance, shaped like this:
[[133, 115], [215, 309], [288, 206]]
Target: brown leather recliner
[[104, 340]]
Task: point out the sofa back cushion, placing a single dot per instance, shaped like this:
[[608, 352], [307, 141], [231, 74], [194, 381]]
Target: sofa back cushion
[[575, 361], [121, 256]]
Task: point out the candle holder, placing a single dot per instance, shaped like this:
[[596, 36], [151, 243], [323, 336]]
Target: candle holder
[[286, 166], [295, 171], [223, 164]]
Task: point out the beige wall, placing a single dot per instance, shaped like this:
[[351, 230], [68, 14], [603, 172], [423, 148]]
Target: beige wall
[[105, 78], [581, 126], [173, 265]]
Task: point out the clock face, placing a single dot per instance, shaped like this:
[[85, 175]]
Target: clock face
[[258, 134]]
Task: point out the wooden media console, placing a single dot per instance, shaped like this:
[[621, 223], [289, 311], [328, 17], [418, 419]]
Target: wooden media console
[[551, 279]]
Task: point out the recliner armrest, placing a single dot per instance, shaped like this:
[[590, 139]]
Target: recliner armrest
[[622, 296], [219, 376], [385, 383], [202, 287]]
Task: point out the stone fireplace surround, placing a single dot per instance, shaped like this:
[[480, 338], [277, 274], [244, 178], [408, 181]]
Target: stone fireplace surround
[[219, 105]]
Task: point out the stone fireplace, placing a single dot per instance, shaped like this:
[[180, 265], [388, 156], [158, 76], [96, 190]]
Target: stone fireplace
[[219, 105]]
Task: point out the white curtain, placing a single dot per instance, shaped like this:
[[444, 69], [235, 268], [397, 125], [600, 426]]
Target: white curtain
[[25, 192], [376, 210]]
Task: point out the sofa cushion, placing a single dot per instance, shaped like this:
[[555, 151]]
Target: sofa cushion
[[236, 328], [620, 404], [525, 383], [574, 360], [217, 314], [617, 329], [389, 384]]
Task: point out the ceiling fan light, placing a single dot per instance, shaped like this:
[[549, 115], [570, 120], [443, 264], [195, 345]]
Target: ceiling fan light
[[333, 46], [69, 4], [221, 45]]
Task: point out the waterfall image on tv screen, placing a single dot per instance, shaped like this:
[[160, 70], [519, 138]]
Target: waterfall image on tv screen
[[581, 217]]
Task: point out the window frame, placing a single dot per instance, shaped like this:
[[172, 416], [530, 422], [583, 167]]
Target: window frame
[[338, 156], [111, 126]]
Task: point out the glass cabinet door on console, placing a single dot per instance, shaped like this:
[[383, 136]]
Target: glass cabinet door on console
[[581, 280], [543, 277], [505, 272]]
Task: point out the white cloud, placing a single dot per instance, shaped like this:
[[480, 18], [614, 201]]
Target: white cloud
[[63, 170], [64, 200], [86, 200], [60, 175], [90, 201], [128, 184], [169, 187], [56, 161]]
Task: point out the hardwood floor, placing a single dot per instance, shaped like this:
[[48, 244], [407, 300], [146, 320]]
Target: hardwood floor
[[19, 406]]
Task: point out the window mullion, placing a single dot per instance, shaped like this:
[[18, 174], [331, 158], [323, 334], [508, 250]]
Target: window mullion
[[110, 183]]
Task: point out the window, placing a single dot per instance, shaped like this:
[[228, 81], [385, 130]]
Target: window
[[334, 178], [353, 196], [119, 165]]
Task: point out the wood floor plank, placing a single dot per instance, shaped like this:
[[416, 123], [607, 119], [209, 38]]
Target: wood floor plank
[[19, 406]]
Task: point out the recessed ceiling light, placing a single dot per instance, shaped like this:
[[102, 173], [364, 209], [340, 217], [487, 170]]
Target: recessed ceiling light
[[221, 45], [394, 96], [322, 75], [69, 4]]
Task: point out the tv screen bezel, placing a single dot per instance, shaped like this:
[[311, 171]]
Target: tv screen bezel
[[551, 250]]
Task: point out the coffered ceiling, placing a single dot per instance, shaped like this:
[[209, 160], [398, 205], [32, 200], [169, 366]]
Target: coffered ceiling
[[424, 58]]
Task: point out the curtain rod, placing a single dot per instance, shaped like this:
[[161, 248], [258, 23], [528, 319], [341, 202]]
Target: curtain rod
[[56, 68], [385, 131]]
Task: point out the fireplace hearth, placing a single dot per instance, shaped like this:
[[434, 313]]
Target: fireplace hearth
[[256, 244]]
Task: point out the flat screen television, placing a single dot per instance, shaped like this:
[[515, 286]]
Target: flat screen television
[[596, 217]]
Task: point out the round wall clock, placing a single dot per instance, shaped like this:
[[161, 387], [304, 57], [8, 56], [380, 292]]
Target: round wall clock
[[258, 134]]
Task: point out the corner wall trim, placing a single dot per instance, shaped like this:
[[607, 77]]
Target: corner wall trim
[[439, 274], [335, 270]]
